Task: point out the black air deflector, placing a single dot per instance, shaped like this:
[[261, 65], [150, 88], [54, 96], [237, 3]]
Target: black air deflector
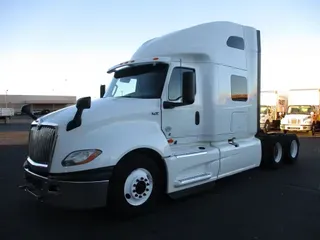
[[258, 79]]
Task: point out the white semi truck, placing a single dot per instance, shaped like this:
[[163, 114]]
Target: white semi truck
[[183, 112], [272, 108], [301, 103]]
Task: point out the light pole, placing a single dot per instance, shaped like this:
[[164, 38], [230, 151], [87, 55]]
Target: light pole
[[5, 98]]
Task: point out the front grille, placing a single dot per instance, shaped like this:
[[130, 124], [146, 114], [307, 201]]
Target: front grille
[[295, 121], [42, 143]]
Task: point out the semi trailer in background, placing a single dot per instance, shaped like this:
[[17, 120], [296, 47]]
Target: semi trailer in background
[[183, 112], [272, 108], [6, 114], [302, 104]]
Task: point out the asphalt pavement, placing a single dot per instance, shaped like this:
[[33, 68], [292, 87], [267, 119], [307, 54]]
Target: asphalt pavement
[[16, 124], [258, 204], [14, 127]]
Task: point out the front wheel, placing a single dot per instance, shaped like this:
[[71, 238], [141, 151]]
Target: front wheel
[[313, 129], [6, 120], [136, 186]]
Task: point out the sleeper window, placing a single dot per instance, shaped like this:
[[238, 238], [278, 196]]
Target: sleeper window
[[239, 88]]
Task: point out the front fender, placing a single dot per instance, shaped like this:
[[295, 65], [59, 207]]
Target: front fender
[[115, 140]]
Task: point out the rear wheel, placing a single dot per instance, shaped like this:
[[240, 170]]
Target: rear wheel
[[136, 186], [272, 153], [292, 150], [276, 159]]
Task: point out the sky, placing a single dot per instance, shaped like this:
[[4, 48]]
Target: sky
[[63, 47]]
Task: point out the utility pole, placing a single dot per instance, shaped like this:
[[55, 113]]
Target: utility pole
[[5, 98]]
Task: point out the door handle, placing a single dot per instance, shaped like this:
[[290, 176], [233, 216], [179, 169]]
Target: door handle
[[197, 118], [231, 141]]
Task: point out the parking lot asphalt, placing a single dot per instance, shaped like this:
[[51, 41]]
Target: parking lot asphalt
[[17, 123], [15, 127], [258, 204]]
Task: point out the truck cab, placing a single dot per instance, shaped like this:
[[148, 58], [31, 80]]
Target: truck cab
[[272, 109], [299, 118], [183, 112], [302, 102]]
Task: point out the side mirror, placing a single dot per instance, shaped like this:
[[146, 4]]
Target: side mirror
[[84, 103], [102, 90], [188, 87]]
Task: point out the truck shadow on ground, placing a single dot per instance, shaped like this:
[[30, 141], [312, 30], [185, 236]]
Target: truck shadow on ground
[[196, 204], [249, 200]]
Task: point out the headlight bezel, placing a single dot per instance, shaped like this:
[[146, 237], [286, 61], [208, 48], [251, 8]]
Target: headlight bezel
[[75, 159]]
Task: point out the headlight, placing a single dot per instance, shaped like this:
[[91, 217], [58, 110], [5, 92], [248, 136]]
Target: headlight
[[80, 157], [307, 121]]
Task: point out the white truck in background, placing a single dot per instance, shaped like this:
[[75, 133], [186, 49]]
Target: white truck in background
[[183, 112], [272, 108], [6, 114], [301, 103]]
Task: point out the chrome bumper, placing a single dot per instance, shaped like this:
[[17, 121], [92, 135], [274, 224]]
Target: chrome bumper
[[295, 128], [71, 194]]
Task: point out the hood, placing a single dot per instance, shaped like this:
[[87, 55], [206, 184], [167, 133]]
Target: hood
[[104, 109]]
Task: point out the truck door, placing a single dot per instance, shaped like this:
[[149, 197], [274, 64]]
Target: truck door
[[182, 121]]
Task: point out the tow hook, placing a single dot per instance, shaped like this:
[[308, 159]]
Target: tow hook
[[26, 188]]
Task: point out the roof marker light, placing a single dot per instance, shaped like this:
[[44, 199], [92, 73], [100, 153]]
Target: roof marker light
[[155, 59]]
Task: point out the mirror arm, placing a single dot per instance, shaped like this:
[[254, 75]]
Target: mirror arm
[[76, 121], [82, 103]]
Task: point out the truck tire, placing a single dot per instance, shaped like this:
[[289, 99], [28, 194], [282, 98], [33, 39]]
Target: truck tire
[[272, 152], [135, 187], [291, 149], [313, 129]]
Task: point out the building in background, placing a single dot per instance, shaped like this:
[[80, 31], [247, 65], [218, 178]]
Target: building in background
[[38, 102]]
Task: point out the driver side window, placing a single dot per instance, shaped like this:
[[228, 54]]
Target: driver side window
[[175, 84]]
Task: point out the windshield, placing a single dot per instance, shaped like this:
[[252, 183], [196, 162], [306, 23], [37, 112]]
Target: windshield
[[144, 81], [263, 110], [300, 109]]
